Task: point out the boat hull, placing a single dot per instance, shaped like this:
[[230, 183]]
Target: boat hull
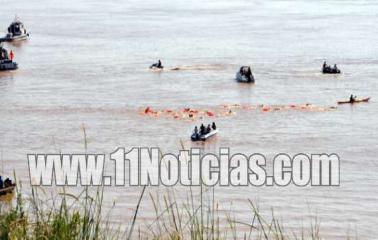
[[8, 65], [7, 190], [355, 101], [9, 38]]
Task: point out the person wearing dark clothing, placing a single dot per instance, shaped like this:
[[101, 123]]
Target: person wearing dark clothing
[[202, 129], [249, 74], [7, 183], [208, 129], [3, 53], [159, 64], [1, 182], [213, 126], [324, 65], [352, 98]]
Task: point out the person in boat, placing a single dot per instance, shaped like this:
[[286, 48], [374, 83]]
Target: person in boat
[[3, 53], [324, 65], [195, 131], [1, 182], [158, 64], [7, 183], [213, 126], [352, 98], [208, 129], [335, 68], [249, 74], [11, 55], [202, 129]]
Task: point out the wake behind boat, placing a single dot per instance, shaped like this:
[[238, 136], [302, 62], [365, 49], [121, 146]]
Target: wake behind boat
[[16, 32], [204, 133]]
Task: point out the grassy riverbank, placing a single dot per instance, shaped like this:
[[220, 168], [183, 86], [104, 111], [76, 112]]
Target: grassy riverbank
[[83, 217]]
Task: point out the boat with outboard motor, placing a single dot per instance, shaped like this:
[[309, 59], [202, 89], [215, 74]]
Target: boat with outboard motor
[[245, 75], [16, 32], [204, 133], [6, 64]]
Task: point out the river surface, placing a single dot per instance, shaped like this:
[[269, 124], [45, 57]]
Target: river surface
[[86, 62]]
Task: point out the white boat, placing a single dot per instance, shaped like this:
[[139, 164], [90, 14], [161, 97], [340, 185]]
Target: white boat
[[198, 137], [16, 32], [245, 75]]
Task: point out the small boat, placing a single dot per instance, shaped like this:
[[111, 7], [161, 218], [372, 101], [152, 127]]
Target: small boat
[[197, 137], [327, 69], [7, 190], [245, 75], [355, 101], [16, 32], [204, 133]]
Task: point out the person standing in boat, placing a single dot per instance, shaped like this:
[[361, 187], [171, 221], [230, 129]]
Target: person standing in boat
[[352, 98], [159, 64], [324, 65], [11, 55], [1, 182], [213, 126]]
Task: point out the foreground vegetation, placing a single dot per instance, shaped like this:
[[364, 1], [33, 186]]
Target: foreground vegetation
[[82, 217]]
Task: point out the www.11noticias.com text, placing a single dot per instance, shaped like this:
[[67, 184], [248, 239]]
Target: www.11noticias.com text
[[148, 166]]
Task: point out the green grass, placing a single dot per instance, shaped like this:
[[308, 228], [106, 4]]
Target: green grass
[[81, 217]]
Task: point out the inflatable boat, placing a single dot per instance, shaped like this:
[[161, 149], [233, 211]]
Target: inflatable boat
[[198, 137]]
